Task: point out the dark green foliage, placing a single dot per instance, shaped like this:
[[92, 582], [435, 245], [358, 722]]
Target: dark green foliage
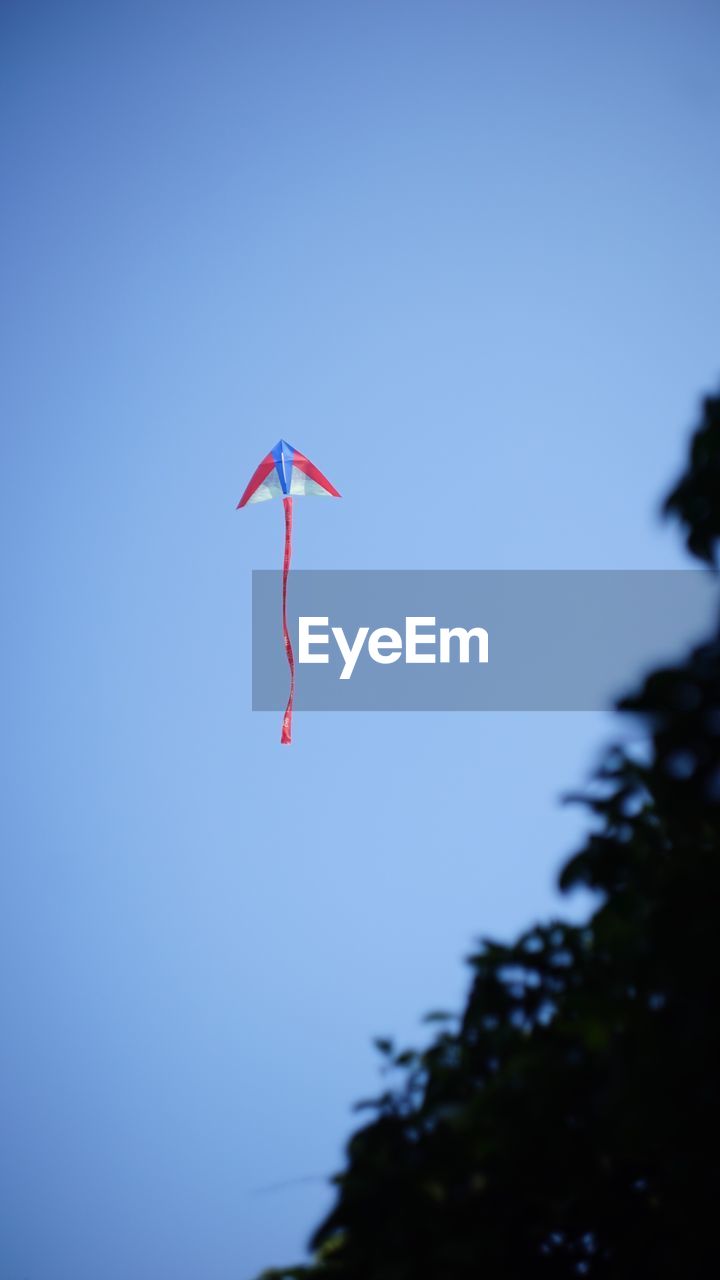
[[566, 1124], [694, 500]]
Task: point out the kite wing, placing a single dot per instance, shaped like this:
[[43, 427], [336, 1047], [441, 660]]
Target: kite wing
[[285, 472]]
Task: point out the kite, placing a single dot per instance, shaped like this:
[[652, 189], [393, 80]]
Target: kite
[[286, 473]]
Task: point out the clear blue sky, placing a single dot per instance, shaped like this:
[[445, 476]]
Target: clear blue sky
[[465, 256]]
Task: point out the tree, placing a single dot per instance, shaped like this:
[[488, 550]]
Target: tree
[[565, 1124]]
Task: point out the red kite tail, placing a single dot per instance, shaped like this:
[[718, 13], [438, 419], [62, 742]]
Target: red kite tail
[[286, 735]]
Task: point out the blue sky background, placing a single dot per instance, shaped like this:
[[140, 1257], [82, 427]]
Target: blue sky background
[[463, 255]]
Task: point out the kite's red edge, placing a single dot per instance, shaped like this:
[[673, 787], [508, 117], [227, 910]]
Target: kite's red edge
[[260, 474], [314, 473]]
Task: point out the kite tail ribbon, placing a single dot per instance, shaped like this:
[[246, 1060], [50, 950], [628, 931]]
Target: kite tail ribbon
[[286, 735]]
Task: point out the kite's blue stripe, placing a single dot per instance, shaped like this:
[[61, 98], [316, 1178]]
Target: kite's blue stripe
[[283, 454]]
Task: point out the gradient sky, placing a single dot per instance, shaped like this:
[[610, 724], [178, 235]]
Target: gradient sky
[[465, 256]]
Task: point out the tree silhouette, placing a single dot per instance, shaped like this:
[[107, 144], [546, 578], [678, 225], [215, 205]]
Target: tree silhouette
[[565, 1124]]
